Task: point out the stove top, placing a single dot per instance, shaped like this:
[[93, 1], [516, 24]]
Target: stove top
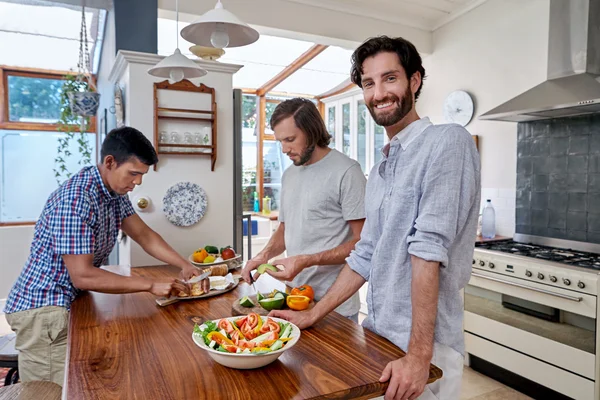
[[565, 256]]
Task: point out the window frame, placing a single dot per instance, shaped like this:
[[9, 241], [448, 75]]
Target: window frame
[[6, 124]]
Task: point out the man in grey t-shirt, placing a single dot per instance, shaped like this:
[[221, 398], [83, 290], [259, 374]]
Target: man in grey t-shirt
[[322, 205]]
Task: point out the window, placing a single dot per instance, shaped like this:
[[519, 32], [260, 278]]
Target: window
[[330, 120], [29, 137]]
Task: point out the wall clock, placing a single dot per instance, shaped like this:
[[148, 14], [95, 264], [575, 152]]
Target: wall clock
[[458, 108]]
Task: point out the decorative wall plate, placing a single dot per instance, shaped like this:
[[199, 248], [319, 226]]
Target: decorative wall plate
[[184, 203]]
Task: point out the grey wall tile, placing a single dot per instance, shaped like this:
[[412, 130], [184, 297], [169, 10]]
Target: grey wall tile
[[539, 231], [539, 201], [593, 237], [559, 145], [594, 164], [557, 220], [579, 145], [558, 183], [539, 218], [523, 216], [577, 221], [540, 183], [593, 203], [577, 183], [540, 164], [593, 222], [558, 201], [594, 144], [557, 233], [524, 182], [540, 129], [524, 229], [556, 165], [577, 202], [523, 198], [580, 236], [594, 183], [577, 164], [524, 165]]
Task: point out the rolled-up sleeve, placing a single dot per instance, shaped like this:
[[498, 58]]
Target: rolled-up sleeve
[[448, 191], [359, 259]]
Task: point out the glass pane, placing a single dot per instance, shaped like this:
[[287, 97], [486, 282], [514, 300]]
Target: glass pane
[[269, 108], [331, 125], [379, 140], [275, 162], [361, 137], [249, 111], [346, 128], [34, 99], [27, 160]]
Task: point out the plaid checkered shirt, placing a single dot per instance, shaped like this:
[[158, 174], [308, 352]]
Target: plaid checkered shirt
[[80, 217]]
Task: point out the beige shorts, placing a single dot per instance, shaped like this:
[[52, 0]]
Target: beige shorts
[[42, 342]]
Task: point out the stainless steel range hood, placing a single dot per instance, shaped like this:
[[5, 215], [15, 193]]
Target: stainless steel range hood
[[573, 84]]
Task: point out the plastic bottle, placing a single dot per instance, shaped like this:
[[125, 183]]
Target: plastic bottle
[[488, 225], [256, 203]]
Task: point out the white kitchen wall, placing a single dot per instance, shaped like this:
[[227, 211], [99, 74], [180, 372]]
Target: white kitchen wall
[[494, 52], [503, 201], [216, 227]]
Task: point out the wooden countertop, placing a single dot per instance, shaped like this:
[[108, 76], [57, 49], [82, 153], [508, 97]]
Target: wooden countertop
[[126, 346]]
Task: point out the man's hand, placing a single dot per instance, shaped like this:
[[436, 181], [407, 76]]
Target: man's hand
[[252, 265], [188, 272], [408, 378], [169, 288], [302, 319], [292, 266]]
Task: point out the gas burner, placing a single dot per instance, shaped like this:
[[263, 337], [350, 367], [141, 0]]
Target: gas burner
[[565, 256]]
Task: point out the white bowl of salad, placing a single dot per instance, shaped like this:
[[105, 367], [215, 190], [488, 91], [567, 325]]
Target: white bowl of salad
[[246, 342]]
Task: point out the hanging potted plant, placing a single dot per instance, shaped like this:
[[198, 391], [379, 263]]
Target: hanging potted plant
[[79, 102], [84, 102]]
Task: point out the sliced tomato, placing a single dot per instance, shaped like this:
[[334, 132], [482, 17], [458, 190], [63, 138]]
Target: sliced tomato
[[244, 344], [270, 326], [236, 336], [253, 320], [230, 348], [226, 325], [248, 332], [240, 322]]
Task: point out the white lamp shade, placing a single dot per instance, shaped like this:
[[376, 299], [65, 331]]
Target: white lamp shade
[[200, 31], [177, 60]]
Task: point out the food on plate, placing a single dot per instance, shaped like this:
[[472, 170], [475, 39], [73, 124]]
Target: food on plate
[[196, 289], [228, 253], [297, 303], [217, 281], [275, 303], [247, 335], [246, 302], [223, 248], [211, 249], [304, 290], [263, 267], [209, 259], [200, 255], [218, 270]]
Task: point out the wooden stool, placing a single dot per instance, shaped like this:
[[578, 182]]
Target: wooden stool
[[38, 390], [9, 357]]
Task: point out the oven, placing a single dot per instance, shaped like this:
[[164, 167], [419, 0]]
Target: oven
[[535, 319]]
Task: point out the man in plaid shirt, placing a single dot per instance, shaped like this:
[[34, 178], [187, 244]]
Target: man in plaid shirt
[[74, 235]]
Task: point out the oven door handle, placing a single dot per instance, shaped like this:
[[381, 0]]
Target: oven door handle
[[562, 296]]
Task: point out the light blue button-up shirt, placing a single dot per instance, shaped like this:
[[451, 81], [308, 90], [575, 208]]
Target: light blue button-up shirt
[[422, 199]]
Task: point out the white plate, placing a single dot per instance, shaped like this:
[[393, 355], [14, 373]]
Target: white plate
[[247, 361], [231, 263]]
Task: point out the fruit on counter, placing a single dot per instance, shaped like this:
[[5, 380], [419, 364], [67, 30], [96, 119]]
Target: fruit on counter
[[228, 253], [199, 255], [209, 259], [223, 248], [275, 303], [246, 302], [211, 249], [304, 290], [263, 267], [259, 296], [276, 293], [297, 303]]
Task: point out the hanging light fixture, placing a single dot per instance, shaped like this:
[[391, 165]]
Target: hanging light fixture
[[219, 28], [177, 67]]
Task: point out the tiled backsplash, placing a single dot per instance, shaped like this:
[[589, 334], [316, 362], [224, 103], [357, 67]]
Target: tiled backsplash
[[503, 201], [558, 178]]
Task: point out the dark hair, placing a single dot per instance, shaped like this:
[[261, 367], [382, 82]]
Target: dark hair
[[306, 117], [407, 54], [126, 142]]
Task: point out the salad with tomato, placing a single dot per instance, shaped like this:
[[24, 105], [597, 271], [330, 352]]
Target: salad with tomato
[[247, 335]]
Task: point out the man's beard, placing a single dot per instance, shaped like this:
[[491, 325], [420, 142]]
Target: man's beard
[[304, 157], [393, 117]]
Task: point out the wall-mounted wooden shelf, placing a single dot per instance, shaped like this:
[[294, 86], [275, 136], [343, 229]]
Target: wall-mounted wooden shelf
[[188, 116]]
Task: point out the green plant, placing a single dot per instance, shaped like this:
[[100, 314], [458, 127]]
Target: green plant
[[74, 127]]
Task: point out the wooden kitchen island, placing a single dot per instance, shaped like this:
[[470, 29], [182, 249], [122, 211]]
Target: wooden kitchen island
[[128, 347]]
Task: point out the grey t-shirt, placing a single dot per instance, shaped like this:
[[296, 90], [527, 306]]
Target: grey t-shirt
[[317, 201]]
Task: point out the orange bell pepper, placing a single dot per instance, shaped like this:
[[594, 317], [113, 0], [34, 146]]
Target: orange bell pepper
[[298, 303]]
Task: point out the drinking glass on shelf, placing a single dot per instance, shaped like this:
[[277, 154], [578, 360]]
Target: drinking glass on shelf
[[175, 137], [198, 138], [163, 138], [187, 138]]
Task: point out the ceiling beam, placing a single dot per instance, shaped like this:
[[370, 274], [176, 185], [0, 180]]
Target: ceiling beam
[[344, 89], [290, 69]]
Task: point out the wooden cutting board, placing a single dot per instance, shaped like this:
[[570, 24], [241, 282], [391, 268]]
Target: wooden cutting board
[[238, 309]]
